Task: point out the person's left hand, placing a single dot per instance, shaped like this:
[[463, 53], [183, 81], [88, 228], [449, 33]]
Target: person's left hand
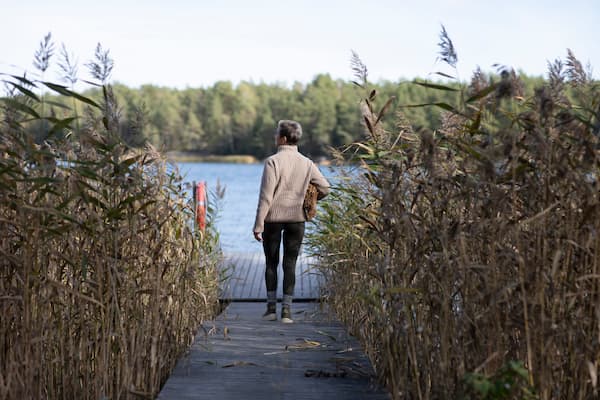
[[258, 236]]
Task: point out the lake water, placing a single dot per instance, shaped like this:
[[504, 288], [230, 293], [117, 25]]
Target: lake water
[[238, 208]]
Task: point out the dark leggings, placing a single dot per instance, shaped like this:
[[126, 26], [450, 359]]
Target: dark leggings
[[293, 232]]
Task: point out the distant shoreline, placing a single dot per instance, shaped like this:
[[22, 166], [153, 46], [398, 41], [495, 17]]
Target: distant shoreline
[[191, 157], [180, 156]]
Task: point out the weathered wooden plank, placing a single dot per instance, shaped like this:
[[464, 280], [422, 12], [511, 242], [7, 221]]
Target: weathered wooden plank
[[300, 292], [247, 269], [226, 286], [306, 278], [305, 288], [244, 357], [229, 267], [258, 276], [247, 289], [247, 278]]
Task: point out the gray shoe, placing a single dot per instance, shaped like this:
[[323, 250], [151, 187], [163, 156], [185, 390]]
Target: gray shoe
[[286, 315], [271, 313]]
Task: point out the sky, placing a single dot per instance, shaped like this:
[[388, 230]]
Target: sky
[[195, 43]]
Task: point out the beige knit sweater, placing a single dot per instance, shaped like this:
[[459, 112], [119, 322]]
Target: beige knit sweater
[[285, 178]]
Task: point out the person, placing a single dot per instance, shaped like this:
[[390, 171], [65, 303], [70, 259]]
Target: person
[[286, 176]]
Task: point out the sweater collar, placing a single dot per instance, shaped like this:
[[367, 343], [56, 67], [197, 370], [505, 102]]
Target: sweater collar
[[287, 147]]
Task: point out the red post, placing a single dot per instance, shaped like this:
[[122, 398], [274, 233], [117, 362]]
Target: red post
[[201, 204]]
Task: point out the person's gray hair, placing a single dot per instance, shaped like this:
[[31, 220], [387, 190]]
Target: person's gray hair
[[289, 129]]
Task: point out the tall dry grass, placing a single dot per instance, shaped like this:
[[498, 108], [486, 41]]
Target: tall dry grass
[[103, 281], [467, 259]]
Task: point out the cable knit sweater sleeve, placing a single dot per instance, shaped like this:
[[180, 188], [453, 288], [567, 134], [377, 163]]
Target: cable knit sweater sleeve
[[317, 179], [265, 197]]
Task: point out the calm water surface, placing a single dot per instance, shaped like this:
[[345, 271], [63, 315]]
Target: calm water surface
[[238, 208]]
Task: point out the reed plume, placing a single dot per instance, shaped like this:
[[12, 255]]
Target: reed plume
[[466, 257]]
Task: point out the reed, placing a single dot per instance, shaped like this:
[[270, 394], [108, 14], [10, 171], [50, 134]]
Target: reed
[[466, 259], [103, 281]]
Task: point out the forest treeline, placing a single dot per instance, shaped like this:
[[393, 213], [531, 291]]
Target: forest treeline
[[240, 119]]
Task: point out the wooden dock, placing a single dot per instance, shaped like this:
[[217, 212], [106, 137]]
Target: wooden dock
[[239, 356], [246, 278]]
